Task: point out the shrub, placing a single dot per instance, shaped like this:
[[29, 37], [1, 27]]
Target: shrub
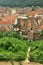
[[20, 63], [1, 34], [10, 34], [20, 55], [36, 52], [41, 34], [13, 34], [13, 48]]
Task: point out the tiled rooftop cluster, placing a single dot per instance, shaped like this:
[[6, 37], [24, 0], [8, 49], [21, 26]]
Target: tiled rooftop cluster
[[30, 21]]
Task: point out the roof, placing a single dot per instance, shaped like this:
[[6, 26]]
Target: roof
[[41, 27], [31, 13], [8, 19]]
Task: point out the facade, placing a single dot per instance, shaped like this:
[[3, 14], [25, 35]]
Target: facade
[[31, 26], [7, 22]]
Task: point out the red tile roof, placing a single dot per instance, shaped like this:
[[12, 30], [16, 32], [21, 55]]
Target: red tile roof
[[8, 19], [31, 13]]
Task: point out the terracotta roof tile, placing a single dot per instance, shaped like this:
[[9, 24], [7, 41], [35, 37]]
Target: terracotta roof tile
[[8, 19], [31, 13]]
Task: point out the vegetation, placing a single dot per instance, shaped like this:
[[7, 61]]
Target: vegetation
[[36, 52], [33, 8], [1, 34], [21, 3], [12, 62], [41, 34], [13, 49], [10, 34], [20, 63]]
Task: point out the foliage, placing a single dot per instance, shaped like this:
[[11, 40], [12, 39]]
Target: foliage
[[12, 62], [41, 34], [33, 8], [36, 52], [10, 34], [13, 48], [21, 3], [20, 63], [1, 34], [20, 55], [14, 34]]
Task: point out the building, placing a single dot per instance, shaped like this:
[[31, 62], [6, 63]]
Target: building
[[7, 22], [30, 23]]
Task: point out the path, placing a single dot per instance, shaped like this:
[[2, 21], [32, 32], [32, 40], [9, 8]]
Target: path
[[25, 62], [16, 63]]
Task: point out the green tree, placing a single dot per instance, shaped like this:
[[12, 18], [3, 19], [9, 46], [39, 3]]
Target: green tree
[[33, 8], [41, 34]]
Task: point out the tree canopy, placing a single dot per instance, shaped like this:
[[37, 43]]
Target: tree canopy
[[21, 3]]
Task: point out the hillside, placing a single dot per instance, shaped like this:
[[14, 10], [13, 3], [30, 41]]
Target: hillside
[[21, 3]]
